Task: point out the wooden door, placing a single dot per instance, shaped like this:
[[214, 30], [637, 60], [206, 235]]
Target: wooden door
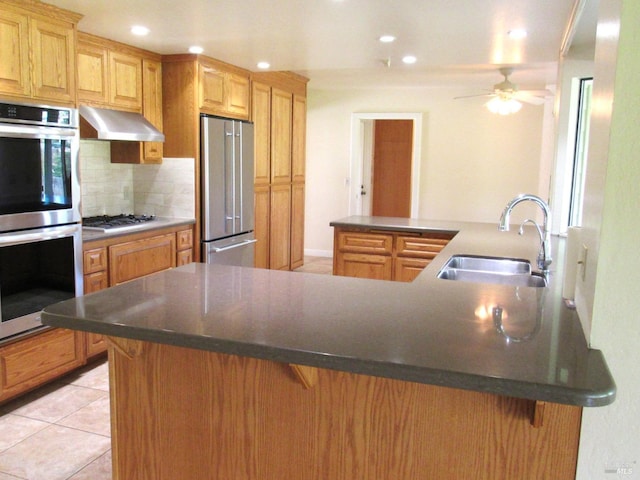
[[281, 118], [93, 79], [261, 117], [152, 106], [15, 78], [391, 185], [54, 50], [280, 228], [125, 72]]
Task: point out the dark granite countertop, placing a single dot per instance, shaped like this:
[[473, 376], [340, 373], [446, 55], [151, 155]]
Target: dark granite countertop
[[430, 331]]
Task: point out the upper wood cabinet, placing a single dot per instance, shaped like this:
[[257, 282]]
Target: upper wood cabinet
[[125, 81], [37, 52], [120, 77], [221, 91], [109, 74], [152, 106]]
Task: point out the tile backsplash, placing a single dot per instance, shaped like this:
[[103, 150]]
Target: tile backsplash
[[165, 190]]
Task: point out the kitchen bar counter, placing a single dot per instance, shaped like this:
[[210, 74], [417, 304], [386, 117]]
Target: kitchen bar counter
[[431, 331]]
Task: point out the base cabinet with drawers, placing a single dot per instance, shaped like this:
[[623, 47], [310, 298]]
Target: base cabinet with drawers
[[385, 255], [117, 260]]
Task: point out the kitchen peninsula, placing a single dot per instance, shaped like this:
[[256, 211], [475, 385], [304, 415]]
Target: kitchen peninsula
[[230, 372]]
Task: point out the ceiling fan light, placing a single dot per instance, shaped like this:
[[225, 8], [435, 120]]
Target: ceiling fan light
[[503, 106]]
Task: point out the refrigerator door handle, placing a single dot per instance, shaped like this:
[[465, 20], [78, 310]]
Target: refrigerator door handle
[[235, 245]]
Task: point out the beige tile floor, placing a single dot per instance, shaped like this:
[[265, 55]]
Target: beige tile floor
[[62, 430]]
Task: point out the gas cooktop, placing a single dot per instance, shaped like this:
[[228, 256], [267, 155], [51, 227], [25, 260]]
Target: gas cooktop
[[110, 222]]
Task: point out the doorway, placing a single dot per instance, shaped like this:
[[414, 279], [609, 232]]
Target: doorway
[[379, 183]]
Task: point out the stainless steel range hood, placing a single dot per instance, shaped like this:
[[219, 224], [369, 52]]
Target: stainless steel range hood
[[105, 124]]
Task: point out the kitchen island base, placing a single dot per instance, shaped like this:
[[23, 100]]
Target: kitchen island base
[[194, 414]]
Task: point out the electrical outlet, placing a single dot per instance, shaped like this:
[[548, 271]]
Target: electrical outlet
[[583, 261]]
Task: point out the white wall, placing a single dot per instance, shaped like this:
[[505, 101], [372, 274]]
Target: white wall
[[473, 162], [610, 436]]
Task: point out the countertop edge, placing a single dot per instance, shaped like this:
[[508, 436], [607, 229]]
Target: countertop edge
[[451, 379]]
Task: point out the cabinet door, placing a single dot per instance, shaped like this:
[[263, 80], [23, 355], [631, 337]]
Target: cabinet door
[[297, 225], [141, 257], [152, 106], [95, 344], [15, 78], [28, 363], [407, 269], [261, 116], [93, 80], [237, 95], [261, 227], [280, 233], [211, 80], [94, 282], [53, 49], [299, 134], [361, 265], [125, 78], [281, 114]]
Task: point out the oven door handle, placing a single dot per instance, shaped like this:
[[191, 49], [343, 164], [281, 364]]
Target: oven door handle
[[28, 131], [38, 234]]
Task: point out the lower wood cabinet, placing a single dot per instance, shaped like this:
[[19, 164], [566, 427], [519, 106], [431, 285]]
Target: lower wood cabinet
[[28, 363], [117, 260], [385, 255]]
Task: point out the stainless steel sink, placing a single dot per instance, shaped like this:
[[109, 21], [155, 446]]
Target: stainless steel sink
[[497, 270]]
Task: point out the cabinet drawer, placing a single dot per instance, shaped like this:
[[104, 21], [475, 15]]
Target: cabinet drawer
[[95, 260], [95, 282], [358, 242], [406, 269], [422, 247], [32, 361], [184, 257], [184, 239], [377, 267]]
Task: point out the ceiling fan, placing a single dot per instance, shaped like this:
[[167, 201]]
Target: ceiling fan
[[506, 97]]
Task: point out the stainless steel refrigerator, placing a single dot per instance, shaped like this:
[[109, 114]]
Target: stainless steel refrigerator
[[227, 191]]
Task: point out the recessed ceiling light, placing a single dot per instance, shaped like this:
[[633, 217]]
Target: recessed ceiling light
[[409, 59], [196, 49], [517, 33], [139, 30], [263, 65], [387, 38]]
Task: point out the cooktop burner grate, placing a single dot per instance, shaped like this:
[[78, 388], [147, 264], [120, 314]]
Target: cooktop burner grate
[[112, 221]]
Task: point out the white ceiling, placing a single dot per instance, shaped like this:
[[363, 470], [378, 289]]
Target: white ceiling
[[335, 42]]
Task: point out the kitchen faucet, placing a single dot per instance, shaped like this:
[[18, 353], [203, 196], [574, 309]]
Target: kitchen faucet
[[544, 255]]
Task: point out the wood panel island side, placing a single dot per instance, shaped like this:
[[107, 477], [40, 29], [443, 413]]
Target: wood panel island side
[[236, 373]]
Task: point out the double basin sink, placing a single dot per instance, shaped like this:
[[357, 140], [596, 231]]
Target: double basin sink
[[496, 270]]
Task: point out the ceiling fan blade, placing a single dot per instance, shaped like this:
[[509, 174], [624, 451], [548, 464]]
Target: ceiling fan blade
[[477, 95], [528, 98]]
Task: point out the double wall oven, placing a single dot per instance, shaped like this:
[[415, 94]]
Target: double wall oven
[[40, 229]]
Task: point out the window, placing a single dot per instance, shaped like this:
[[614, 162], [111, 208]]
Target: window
[[580, 152]]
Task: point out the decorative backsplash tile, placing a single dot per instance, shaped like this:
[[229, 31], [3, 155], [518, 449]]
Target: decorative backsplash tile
[[166, 190]]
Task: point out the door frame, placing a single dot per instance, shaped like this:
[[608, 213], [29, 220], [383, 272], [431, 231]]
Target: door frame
[[360, 131]]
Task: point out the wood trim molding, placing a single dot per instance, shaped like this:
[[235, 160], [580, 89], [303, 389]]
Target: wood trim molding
[[126, 346], [308, 376]]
